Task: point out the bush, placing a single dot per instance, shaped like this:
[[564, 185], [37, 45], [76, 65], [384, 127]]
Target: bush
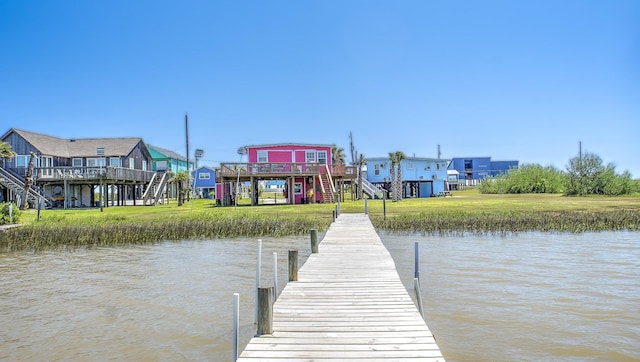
[[527, 179], [587, 175], [4, 213]]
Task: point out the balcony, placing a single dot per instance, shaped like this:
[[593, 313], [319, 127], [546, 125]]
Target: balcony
[[282, 169], [91, 174]]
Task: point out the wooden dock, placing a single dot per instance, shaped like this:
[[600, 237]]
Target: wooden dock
[[348, 304]]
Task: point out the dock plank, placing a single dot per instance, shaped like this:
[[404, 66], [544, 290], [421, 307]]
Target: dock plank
[[348, 304]]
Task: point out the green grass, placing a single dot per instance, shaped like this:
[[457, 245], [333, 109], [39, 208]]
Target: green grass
[[467, 211]]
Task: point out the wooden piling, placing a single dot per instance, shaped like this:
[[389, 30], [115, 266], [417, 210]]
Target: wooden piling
[[314, 241], [265, 311], [293, 265]]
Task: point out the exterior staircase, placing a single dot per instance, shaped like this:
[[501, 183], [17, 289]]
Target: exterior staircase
[[16, 184], [328, 190], [370, 189], [153, 192]]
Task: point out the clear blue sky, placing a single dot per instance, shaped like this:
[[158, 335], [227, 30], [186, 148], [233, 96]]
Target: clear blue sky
[[514, 80]]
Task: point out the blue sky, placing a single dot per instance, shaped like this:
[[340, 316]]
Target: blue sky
[[514, 80]]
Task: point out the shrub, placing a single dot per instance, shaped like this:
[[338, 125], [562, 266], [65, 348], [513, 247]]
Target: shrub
[[4, 213]]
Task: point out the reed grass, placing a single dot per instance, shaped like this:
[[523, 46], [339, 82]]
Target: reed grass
[[467, 211], [54, 235]]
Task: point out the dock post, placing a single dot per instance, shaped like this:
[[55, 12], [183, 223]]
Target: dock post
[[338, 206], [258, 267], [314, 241], [293, 265], [416, 287], [366, 211], [416, 266], [236, 325], [384, 205], [275, 275], [333, 216], [265, 308]]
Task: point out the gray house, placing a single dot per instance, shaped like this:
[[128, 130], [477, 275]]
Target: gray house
[[68, 171]]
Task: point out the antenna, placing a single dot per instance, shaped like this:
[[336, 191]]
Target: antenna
[[439, 152]]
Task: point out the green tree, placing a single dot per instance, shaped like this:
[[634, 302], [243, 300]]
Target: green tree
[[361, 162], [587, 175], [393, 158], [182, 180], [400, 156], [6, 153], [337, 156]]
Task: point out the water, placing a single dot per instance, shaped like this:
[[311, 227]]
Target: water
[[529, 297], [526, 297]]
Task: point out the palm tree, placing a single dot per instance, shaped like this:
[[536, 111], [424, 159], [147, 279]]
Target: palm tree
[[361, 162], [5, 152], [399, 157], [393, 157], [337, 156], [182, 179], [28, 180]]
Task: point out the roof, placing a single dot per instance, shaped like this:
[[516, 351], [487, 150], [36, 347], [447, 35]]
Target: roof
[[288, 144], [80, 147], [427, 159], [167, 153], [204, 168]]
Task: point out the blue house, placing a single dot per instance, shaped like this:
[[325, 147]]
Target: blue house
[[421, 177], [477, 168], [204, 179]]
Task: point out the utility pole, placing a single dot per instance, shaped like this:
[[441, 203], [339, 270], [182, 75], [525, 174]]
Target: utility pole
[[186, 132], [580, 150]]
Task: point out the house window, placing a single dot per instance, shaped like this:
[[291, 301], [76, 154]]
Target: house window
[[132, 162], [376, 169], [21, 160], [76, 162], [47, 164], [96, 162], [263, 156], [297, 188], [144, 165], [114, 161], [310, 156], [409, 165], [322, 157], [438, 166], [204, 176]]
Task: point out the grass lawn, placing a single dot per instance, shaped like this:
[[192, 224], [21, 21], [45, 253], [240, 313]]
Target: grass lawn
[[200, 218], [463, 202]]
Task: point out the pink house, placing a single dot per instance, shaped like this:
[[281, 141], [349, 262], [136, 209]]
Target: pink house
[[306, 169]]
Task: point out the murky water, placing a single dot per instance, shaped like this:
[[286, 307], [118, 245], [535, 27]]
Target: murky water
[[531, 296]]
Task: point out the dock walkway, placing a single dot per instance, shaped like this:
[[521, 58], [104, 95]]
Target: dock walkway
[[348, 304]]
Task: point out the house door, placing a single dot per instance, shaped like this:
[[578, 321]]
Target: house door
[[426, 189]]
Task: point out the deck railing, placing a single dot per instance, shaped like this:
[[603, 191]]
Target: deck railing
[[282, 168], [92, 173]]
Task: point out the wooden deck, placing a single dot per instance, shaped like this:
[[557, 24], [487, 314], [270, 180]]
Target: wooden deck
[[348, 304]]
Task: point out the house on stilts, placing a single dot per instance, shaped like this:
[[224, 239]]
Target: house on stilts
[[70, 172], [306, 169]]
